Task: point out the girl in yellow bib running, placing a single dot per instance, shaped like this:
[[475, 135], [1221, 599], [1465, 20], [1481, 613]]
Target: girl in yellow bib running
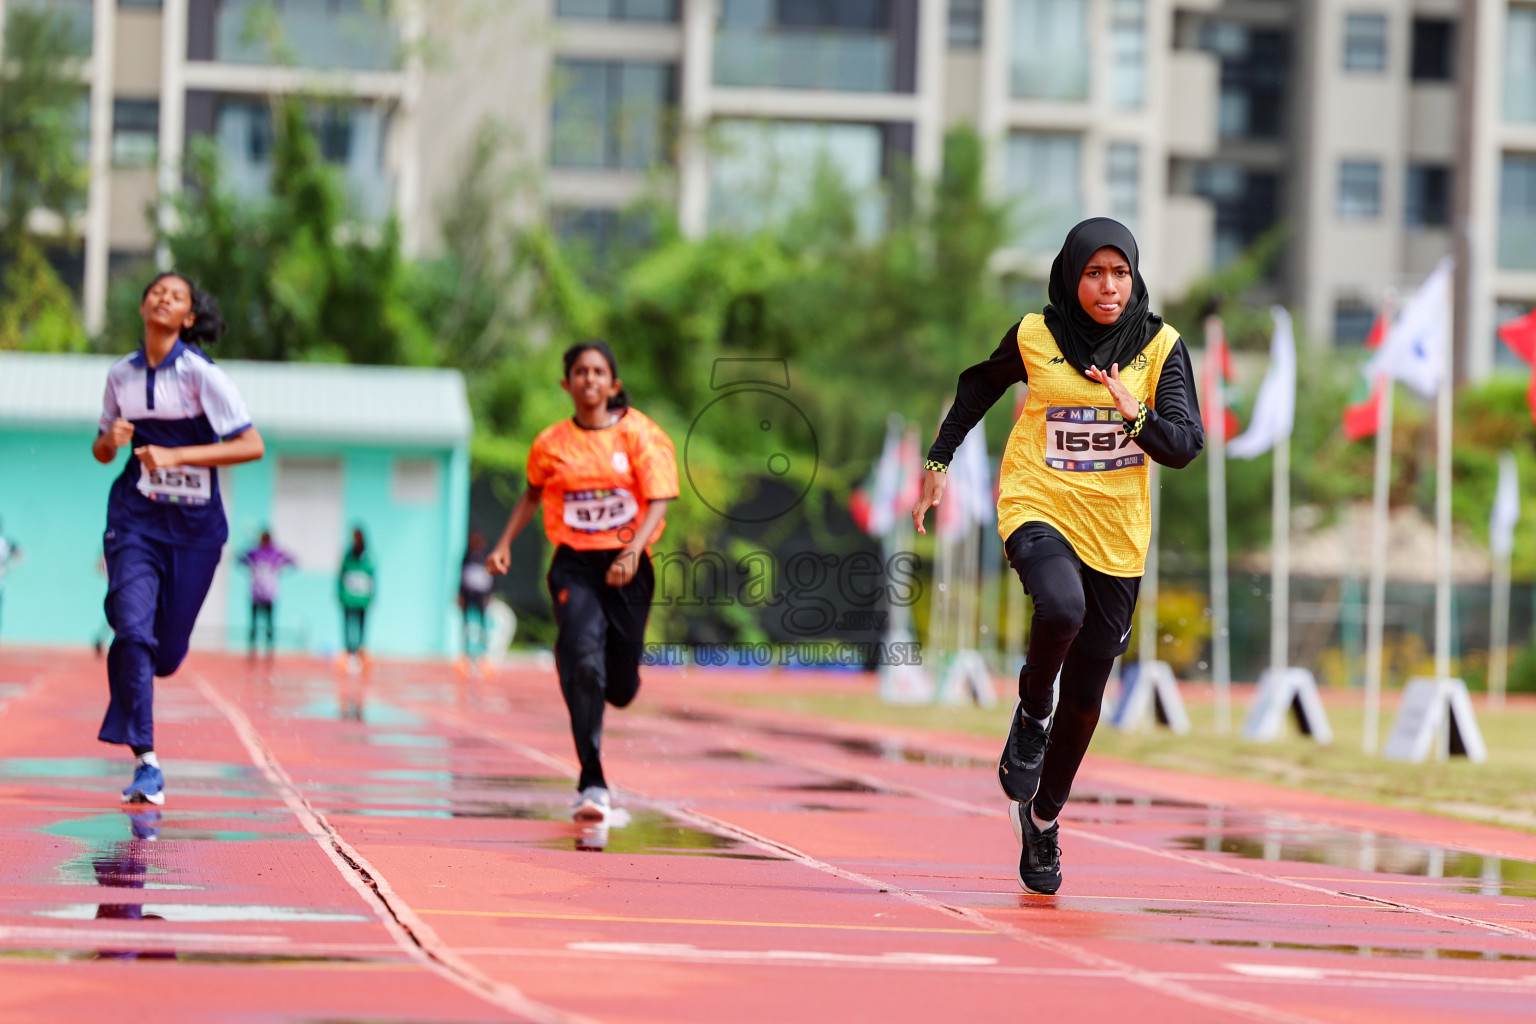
[[1110, 386]]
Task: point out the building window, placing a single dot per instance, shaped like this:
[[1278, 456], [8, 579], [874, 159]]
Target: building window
[[1428, 196], [1123, 165], [1049, 50], [847, 45], [1128, 44], [1359, 189], [764, 171], [1254, 63], [1352, 321], [1044, 173], [350, 136], [135, 132], [1504, 358], [77, 16], [1520, 63], [617, 10], [1517, 212], [610, 114], [965, 21], [1247, 204], [1434, 49], [1365, 42], [355, 34], [413, 481]]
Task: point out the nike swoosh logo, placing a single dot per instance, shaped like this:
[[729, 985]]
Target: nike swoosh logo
[[1126, 634]]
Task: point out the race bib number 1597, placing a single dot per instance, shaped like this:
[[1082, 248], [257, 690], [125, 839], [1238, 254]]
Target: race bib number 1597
[[1089, 439]]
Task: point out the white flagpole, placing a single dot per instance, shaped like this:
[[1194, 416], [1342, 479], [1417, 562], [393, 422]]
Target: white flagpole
[[1146, 646], [1376, 601], [1498, 653], [1216, 467], [1444, 398], [1280, 566]]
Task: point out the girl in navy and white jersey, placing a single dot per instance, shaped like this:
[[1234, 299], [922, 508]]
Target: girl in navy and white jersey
[[165, 520]]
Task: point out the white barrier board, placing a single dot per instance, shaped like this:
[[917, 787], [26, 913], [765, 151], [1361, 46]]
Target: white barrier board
[[967, 677], [1430, 707], [1289, 690], [1150, 686]]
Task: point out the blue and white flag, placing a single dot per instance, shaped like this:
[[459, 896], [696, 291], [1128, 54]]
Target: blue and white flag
[[1416, 344]]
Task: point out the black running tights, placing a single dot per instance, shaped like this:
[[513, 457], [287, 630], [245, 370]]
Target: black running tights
[[1056, 585]]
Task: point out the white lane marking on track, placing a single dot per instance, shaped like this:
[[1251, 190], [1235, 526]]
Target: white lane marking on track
[[88, 936], [1087, 833], [1119, 969], [690, 952], [422, 943]]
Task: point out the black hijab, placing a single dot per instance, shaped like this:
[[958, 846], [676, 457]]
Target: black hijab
[[1083, 340]]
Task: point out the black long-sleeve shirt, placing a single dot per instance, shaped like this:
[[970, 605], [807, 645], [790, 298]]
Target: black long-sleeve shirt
[[1172, 436]]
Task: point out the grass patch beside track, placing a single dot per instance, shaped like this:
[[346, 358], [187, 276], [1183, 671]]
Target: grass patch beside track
[[1501, 791]]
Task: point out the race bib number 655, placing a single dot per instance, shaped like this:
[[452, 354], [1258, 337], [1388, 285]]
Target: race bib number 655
[[1089, 439], [182, 485]]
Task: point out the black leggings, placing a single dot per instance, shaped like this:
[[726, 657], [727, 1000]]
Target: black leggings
[[597, 652], [1080, 625], [261, 611], [353, 622]]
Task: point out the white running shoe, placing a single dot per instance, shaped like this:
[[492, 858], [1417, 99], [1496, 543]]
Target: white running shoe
[[592, 805]]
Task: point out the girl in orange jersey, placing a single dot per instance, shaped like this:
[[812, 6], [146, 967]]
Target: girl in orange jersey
[[603, 478]]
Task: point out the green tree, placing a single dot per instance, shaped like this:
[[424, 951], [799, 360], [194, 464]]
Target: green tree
[[298, 276], [42, 172]]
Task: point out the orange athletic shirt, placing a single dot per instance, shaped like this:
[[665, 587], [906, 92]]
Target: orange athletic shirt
[[597, 484]]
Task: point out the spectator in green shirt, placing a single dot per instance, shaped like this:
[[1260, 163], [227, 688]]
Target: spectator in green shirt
[[354, 588]]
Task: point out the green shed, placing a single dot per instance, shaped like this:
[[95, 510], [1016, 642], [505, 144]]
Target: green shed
[[384, 448]]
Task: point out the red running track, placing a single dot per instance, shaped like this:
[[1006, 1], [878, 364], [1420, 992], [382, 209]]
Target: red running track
[[394, 849]]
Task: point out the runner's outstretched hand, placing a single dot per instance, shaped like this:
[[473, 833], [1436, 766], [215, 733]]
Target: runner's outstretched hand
[[1126, 402], [499, 560], [933, 492]]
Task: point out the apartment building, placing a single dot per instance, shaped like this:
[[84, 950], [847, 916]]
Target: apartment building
[[727, 107], [1201, 122], [157, 74], [1366, 125]]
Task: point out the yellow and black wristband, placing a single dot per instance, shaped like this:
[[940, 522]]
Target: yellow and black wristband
[[936, 467], [1141, 419]]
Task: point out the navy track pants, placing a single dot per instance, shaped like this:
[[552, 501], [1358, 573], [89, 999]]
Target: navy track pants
[[154, 592]]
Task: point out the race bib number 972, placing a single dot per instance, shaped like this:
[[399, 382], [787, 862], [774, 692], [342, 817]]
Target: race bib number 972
[[1089, 439], [597, 511], [181, 485]]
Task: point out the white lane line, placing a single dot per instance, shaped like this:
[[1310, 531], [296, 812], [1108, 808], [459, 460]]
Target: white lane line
[[687, 951], [1118, 968], [1262, 975], [981, 810], [412, 934], [87, 936]]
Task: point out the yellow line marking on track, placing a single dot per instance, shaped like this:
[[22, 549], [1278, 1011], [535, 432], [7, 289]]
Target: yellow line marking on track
[[707, 921]]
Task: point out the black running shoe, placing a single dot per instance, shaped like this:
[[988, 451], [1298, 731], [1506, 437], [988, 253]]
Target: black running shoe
[[1018, 770], [1039, 851]]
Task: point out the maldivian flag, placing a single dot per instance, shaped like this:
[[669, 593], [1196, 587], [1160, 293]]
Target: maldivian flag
[[1378, 332], [1364, 408], [1218, 359], [1520, 336]]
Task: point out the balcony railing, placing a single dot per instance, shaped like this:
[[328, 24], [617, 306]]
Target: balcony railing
[[355, 35]]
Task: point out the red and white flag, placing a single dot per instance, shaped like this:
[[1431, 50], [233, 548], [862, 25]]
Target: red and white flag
[[1520, 336]]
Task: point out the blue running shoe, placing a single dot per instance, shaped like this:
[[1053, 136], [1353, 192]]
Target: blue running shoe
[[147, 787]]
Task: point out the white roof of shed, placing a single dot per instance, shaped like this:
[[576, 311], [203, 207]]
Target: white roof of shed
[[325, 402]]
